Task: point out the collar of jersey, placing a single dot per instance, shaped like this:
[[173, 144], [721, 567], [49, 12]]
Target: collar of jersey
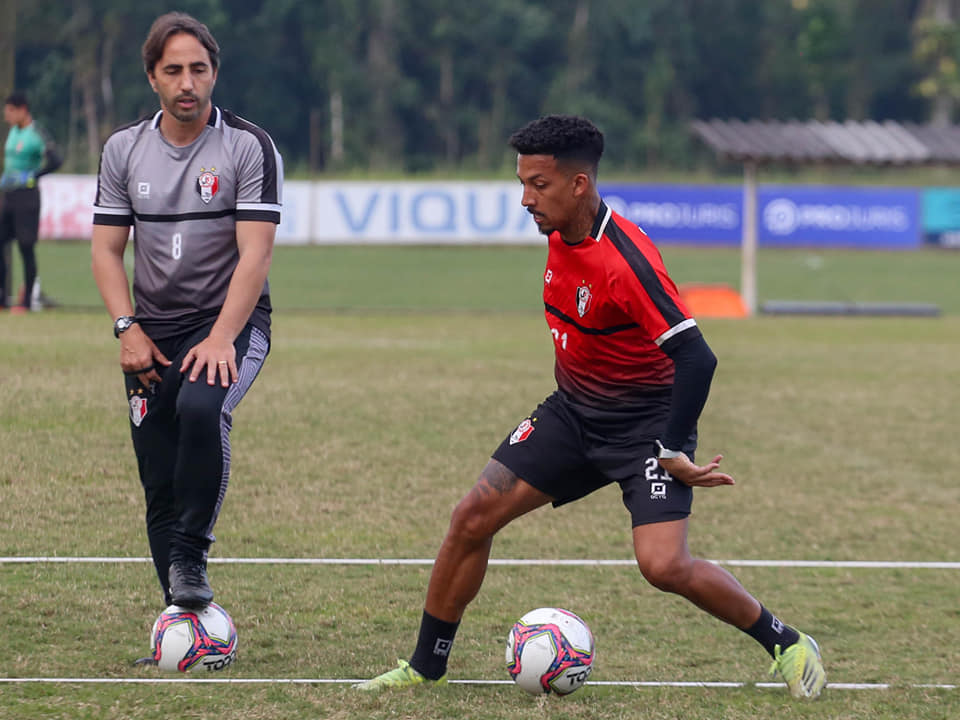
[[600, 224]]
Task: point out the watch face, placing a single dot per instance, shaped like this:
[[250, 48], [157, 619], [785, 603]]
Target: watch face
[[122, 324]]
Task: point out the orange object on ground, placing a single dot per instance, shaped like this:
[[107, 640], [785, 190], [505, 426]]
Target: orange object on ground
[[713, 300]]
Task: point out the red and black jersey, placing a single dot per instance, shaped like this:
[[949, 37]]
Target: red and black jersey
[[614, 313]]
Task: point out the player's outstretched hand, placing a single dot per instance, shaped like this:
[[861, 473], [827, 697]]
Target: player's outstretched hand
[[686, 471]]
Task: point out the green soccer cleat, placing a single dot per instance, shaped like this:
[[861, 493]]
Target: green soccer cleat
[[801, 667], [403, 676]]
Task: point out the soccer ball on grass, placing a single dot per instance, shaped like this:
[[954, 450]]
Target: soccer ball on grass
[[184, 639], [550, 650]]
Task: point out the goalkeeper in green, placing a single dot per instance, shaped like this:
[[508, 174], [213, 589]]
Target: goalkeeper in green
[[28, 154]]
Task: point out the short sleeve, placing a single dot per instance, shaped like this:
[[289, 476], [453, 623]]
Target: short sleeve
[[112, 204], [259, 178]]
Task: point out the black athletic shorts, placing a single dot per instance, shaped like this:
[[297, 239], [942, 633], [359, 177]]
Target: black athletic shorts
[[567, 451]]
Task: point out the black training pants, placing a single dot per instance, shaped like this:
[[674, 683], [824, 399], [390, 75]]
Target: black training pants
[[20, 219], [181, 436]]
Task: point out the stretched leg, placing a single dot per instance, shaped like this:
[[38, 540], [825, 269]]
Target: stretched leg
[[665, 561], [498, 497], [540, 461]]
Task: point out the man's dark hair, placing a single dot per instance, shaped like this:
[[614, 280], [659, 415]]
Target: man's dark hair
[[170, 24], [17, 99], [567, 137]]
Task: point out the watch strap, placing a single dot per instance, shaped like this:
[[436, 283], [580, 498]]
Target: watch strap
[[122, 324], [667, 454]]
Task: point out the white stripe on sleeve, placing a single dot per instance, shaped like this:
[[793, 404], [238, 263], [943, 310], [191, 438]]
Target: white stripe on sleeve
[[675, 330]]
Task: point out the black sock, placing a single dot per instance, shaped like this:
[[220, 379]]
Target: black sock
[[433, 646], [770, 631]]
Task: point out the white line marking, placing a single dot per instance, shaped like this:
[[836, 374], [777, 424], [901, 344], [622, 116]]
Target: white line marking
[[334, 681], [863, 564], [514, 562]]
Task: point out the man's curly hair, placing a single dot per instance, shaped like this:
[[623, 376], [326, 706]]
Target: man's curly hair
[[566, 137]]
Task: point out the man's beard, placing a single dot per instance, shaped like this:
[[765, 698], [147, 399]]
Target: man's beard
[[187, 115]]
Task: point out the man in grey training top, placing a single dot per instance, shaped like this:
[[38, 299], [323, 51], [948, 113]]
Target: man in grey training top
[[202, 189]]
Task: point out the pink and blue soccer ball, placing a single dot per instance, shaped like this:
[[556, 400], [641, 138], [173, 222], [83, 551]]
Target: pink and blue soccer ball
[[184, 640], [550, 650]]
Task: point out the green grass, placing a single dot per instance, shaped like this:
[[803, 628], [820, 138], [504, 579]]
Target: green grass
[[505, 278], [393, 375]]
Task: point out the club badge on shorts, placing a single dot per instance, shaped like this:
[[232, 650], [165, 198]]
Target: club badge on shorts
[[208, 183], [584, 296], [523, 431], [138, 409]]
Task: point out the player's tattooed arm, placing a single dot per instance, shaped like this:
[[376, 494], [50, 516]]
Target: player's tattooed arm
[[496, 478]]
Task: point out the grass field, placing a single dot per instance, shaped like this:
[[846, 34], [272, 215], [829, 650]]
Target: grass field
[[393, 374], [505, 278]]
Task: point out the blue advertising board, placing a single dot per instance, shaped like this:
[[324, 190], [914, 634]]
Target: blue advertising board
[[874, 218], [705, 215], [797, 216]]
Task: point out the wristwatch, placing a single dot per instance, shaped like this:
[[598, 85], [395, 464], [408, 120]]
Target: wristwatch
[[666, 454], [123, 324]]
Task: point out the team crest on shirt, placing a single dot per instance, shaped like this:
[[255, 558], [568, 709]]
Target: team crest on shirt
[[208, 183], [138, 409], [523, 431], [584, 298]]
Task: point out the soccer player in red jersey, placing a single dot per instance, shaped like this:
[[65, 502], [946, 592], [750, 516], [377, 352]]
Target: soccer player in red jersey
[[633, 373]]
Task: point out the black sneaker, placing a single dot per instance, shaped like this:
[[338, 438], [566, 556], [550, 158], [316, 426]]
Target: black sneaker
[[145, 661], [188, 585]]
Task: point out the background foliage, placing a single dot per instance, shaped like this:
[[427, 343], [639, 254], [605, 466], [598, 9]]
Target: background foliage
[[428, 85]]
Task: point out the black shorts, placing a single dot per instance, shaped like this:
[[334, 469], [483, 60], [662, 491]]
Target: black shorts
[[567, 451]]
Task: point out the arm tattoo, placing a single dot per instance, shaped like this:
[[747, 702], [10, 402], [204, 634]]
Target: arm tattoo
[[496, 478]]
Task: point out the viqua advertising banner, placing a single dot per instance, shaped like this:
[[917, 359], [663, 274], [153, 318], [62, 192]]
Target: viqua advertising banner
[[421, 212], [343, 212], [330, 212]]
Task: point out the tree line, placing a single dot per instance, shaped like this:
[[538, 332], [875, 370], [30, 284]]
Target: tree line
[[412, 86]]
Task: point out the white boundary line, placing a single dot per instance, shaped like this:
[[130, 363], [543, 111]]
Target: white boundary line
[[333, 681], [863, 564], [881, 564]]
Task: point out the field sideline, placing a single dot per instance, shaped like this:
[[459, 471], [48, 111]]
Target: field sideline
[[393, 374]]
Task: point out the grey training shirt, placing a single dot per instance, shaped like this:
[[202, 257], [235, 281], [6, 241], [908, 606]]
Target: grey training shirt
[[184, 203]]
